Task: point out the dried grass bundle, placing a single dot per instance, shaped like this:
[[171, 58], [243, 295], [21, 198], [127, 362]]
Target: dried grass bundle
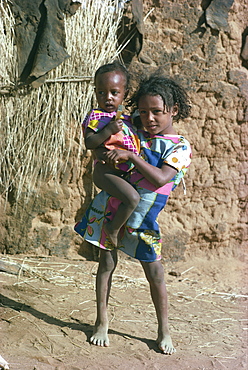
[[7, 50], [38, 126]]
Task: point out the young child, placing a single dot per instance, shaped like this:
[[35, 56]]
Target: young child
[[165, 159], [103, 127]]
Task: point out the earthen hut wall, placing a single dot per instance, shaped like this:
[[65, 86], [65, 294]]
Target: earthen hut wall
[[212, 215]]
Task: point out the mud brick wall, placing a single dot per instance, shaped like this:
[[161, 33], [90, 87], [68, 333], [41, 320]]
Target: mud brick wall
[[203, 51], [207, 61]]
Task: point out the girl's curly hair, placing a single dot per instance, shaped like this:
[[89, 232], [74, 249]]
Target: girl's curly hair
[[171, 93]]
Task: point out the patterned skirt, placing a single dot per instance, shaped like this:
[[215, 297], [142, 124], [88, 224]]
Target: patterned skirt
[[140, 238]]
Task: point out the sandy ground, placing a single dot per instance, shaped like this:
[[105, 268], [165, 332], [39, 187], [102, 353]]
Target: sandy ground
[[47, 315]]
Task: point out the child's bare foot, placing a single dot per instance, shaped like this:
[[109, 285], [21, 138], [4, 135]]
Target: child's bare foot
[[112, 234], [100, 336], [165, 344]]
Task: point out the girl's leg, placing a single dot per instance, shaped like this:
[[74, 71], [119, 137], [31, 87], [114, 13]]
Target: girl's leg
[[106, 267], [155, 275], [109, 180]]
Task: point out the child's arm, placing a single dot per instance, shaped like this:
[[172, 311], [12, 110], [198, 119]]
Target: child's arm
[[93, 139], [157, 176]]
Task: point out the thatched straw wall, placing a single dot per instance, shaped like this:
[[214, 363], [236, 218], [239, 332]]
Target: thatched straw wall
[[38, 125]]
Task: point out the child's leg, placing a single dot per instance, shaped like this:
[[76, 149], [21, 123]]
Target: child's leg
[[106, 267], [108, 179], [155, 275]]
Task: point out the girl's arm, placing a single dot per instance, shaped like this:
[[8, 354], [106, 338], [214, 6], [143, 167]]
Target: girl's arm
[[157, 176], [94, 139]]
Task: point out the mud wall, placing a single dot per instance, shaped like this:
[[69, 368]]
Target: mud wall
[[202, 50], [201, 46]]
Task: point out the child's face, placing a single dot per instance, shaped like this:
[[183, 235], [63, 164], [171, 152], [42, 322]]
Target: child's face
[[154, 116], [110, 89]]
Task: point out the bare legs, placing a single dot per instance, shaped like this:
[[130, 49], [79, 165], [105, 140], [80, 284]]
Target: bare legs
[[155, 275], [108, 179], [107, 265]]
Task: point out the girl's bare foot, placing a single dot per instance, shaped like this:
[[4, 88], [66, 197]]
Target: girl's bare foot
[[164, 343], [112, 234], [100, 336]]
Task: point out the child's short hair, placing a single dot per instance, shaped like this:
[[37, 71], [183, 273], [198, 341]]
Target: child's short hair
[[171, 93], [116, 66]]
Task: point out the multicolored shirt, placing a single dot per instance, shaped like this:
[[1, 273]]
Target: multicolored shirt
[[173, 150], [126, 139]]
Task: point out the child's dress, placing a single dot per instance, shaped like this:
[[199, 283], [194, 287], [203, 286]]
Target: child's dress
[[126, 139], [140, 237]]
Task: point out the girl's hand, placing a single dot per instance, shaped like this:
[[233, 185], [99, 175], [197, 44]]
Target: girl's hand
[[115, 155], [157, 176]]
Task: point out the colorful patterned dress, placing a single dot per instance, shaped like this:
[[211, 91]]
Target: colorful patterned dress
[[140, 237], [126, 139]]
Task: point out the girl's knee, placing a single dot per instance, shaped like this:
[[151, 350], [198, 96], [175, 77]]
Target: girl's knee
[[156, 277], [157, 280], [108, 261], [154, 272]]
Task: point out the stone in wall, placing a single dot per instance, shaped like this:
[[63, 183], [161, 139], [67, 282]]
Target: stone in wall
[[217, 14]]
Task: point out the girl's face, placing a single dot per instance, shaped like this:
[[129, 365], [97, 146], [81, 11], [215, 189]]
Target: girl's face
[[110, 89], [154, 116]]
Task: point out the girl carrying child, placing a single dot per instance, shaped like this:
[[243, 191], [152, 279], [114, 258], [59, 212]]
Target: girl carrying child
[[163, 161], [102, 127]]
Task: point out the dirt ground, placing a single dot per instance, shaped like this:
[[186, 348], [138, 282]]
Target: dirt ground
[[48, 310]]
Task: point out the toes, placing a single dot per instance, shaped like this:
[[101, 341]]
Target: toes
[[99, 342], [92, 340], [168, 350], [95, 341]]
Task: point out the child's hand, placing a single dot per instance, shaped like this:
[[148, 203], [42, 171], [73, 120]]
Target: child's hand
[[115, 126], [100, 154]]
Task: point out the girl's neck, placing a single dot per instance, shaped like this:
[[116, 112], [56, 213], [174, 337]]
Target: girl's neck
[[170, 131]]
